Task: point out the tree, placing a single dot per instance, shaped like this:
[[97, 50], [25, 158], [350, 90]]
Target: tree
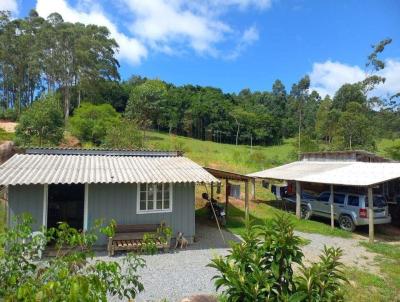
[[394, 150], [355, 129], [346, 94], [72, 275], [322, 118], [90, 123], [300, 92], [143, 103], [42, 123]]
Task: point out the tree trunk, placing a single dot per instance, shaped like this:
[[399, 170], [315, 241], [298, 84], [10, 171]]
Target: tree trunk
[[66, 102]]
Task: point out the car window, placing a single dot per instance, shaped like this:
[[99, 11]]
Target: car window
[[353, 201], [338, 198], [379, 201], [324, 196]]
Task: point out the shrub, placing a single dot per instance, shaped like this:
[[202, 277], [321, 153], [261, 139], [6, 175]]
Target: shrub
[[123, 135], [41, 124], [72, 275], [9, 114], [91, 122], [260, 268]]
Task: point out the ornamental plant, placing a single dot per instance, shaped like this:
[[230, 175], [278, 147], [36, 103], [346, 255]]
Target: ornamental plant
[[72, 275], [261, 268]]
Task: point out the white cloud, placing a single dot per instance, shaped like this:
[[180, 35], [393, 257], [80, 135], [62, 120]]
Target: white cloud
[[168, 26], [175, 25], [10, 5], [249, 36], [130, 48], [328, 77], [164, 22]]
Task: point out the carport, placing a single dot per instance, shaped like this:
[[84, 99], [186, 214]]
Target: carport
[[364, 175], [227, 175]]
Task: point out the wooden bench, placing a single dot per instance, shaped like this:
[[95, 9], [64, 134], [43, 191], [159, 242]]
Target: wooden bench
[[129, 237]]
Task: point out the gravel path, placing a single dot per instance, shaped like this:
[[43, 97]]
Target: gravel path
[[353, 253], [183, 273]]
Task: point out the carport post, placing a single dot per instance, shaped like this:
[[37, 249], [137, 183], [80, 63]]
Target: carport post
[[226, 196], [371, 215], [212, 190], [246, 199], [253, 182], [298, 199], [332, 208]]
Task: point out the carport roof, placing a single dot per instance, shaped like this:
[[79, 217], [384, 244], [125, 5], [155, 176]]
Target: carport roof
[[333, 172]]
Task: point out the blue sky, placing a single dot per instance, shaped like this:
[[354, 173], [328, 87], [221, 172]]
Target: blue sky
[[236, 44]]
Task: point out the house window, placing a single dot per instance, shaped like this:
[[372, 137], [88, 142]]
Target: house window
[[154, 198]]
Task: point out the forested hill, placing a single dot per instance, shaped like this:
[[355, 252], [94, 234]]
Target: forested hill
[[50, 68]]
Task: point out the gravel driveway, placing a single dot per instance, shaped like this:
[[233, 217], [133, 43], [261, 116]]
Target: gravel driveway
[[182, 273]]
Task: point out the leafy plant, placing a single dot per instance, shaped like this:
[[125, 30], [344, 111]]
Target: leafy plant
[[323, 281], [41, 124], [148, 244], [260, 268], [91, 122], [72, 275], [109, 230]]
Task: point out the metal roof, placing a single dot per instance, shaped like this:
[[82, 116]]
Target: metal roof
[[101, 151], [334, 172], [67, 169]]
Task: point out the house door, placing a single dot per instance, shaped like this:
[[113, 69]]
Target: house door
[[66, 204]]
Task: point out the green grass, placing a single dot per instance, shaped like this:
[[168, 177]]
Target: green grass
[[5, 136], [386, 287], [240, 158]]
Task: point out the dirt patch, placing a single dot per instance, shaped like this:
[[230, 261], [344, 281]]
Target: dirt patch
[[8, 126]]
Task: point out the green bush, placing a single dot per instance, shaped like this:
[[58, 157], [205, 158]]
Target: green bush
[[124, 135], [9, 114], [41, 124], [260, 268], [90, 123], [72, 275]]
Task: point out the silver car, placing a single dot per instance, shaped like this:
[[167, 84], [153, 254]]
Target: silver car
[[350, 210]]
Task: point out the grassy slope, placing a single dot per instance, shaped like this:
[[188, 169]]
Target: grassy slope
[[240, 158]]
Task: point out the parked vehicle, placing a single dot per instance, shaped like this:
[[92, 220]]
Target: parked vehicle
[[350, 210], [212, 206]]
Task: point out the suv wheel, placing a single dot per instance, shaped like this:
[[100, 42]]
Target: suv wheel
[[305, 212], [346, 223]]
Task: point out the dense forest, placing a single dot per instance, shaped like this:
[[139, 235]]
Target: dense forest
[[74, 66]]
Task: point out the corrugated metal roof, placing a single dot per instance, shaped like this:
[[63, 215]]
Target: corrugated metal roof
[[68, 169], [336, 173]]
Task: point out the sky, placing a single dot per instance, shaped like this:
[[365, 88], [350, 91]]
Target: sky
[[237, 44]]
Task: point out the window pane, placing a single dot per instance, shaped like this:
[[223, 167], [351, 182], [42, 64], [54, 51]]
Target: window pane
[[166, 195], [150, 205], [142, 187], [166, 187], [159, 204], [353, 201], [324, 197], [159, 195], [338, 198], [159, 187], [142, 196], [150, 194], [166, 204], [142, 205]]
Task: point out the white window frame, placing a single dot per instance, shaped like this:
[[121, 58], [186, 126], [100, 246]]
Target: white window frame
[[139, 211]]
